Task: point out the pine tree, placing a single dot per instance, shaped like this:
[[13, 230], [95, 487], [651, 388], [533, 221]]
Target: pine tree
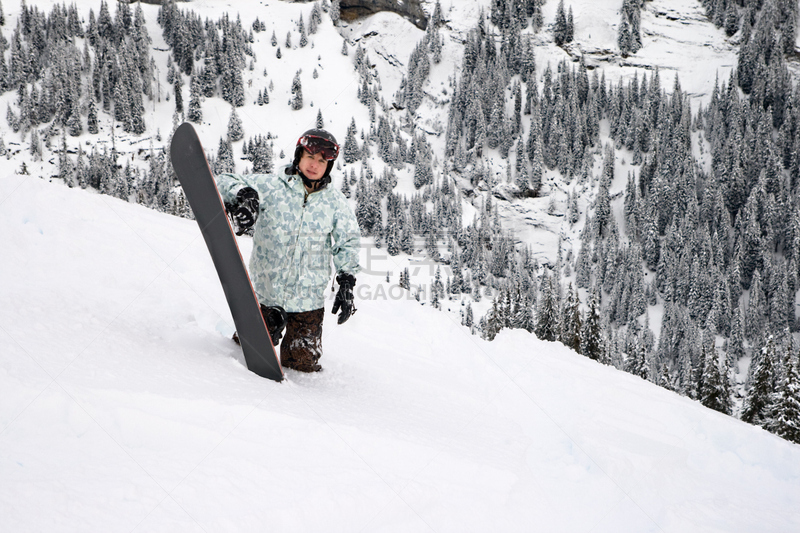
[[493, 321], [303, 34], [570, 33], [731, 23], [315, 19], [536, 154], [297, 93], [260, 153], [224, 162], [736, 338], [758, 401], [591, 334], [178, 94], [423, 172], [636, 362], [195, 111], [756, 309], [537, 18], [235, 130], [560, 30], [351, 150], [714, 388], [547, 315], [786, 406], [571, 321]]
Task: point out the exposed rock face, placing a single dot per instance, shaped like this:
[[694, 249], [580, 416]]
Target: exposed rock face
[[410, 9], [354, 9]]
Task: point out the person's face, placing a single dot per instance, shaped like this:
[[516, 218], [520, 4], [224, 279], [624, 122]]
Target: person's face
[[312, 166]]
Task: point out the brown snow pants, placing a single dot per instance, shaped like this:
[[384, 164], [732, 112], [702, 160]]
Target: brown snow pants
[[301, 346]]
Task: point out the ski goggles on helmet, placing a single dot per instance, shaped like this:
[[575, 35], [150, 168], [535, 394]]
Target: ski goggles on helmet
[[319, 145]]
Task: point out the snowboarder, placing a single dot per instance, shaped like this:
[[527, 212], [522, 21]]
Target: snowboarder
[[299, 223]]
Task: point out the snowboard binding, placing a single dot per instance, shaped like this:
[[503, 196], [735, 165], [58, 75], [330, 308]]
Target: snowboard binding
[[275, 318]]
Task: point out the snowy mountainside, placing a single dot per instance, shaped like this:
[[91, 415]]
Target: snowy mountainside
[[678, 41], [126, 407]]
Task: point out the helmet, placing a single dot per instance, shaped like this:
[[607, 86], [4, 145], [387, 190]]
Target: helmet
[[316, 141], [320, 142]]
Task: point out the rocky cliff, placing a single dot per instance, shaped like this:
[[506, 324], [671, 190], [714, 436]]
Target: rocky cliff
[[354, 9], [410, 9]]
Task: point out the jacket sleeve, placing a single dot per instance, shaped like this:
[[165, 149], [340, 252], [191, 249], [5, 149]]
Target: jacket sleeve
[[346, 240]]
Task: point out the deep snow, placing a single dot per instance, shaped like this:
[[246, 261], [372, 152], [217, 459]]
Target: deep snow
[[124, 406]]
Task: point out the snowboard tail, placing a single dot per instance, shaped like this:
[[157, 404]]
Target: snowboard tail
[[197, 180]]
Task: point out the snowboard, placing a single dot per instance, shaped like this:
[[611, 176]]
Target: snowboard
[[190, 165]]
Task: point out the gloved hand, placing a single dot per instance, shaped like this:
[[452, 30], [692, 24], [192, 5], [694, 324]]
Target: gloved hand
[[244, 210], [344, 297]]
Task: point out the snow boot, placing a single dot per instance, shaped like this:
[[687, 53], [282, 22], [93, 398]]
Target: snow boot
[[302, 347]]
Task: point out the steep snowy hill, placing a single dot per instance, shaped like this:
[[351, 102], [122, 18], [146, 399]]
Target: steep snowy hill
[[124, 406]]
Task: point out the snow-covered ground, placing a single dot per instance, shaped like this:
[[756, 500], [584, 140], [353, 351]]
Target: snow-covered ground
[[125, 406]]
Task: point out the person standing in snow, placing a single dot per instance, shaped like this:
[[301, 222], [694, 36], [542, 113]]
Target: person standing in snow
[[299, 224]]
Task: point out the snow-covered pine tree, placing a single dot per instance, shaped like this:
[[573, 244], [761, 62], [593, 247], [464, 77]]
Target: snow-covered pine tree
[[591, 333], [756, 309], [297, 93], [423, 173], [560, 29], [758, 401], [195, 110], [469, 318], [351, 149], [235, 130], [303, 35], [714, 392], [493, 320], [571, 322], [636, 361], [629, 35], [785, 415], [224, 162], [547, 312], [315, 19], [260, 153]]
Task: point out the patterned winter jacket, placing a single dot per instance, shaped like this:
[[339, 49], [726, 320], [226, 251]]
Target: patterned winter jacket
[[294, 238]]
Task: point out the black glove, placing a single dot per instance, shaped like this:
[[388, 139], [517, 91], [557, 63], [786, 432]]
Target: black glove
[[244, 210], [344, 298]]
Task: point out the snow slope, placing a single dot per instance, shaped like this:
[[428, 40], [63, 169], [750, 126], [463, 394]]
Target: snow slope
[[124, 406]]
